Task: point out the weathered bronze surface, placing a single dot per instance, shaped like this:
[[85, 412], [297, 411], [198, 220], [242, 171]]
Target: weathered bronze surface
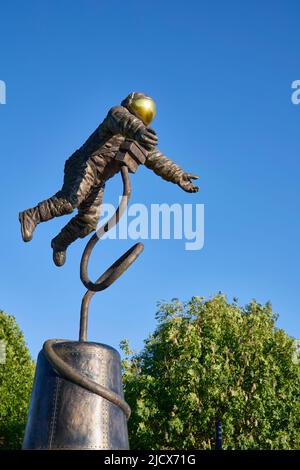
[[74, 414], [88, 169], [91, 430], [77, 400], [132, 154], [78, 420]]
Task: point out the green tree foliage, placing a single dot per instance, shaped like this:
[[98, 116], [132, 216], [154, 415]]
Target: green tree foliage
[[16, 377], [211, 360]]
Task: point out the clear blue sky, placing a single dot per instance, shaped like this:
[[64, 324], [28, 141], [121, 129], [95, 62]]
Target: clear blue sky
[[221, 75]]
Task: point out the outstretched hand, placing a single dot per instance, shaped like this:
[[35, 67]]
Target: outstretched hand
[[186, 184]]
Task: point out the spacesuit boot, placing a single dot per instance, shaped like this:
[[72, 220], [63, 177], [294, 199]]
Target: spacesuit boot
[[29, 220], [75, 228], [60, 243], [59, 254]]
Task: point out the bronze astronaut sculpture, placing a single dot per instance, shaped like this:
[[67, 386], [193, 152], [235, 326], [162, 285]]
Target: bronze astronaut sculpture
[[87, 170]]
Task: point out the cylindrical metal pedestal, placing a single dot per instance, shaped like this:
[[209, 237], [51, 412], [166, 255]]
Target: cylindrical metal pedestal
[[64, 415]]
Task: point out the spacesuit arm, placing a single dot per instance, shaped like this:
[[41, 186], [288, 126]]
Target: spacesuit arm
[[170, 171], [121, 121]]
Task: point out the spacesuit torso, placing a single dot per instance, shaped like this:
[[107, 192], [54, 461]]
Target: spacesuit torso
[[90, 166], [102, 146]]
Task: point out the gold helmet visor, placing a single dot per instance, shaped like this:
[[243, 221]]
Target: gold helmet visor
[[144, 108]]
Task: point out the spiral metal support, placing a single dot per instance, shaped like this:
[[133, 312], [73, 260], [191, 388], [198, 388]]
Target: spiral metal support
[[116, 269], [104, 281]]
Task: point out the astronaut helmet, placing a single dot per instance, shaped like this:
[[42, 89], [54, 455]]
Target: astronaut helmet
[[141, 106]]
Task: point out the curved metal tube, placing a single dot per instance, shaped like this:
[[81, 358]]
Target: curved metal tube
[[104, 281], [116, 269], [72, 375]]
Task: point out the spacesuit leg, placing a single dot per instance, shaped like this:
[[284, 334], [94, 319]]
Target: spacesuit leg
[[79, 226], [78, 182]]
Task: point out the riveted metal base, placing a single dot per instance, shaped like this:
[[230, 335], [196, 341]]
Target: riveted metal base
[[64, 415]]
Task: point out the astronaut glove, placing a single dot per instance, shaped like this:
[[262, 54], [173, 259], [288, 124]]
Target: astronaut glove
[[186, 184], [146, 137]]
